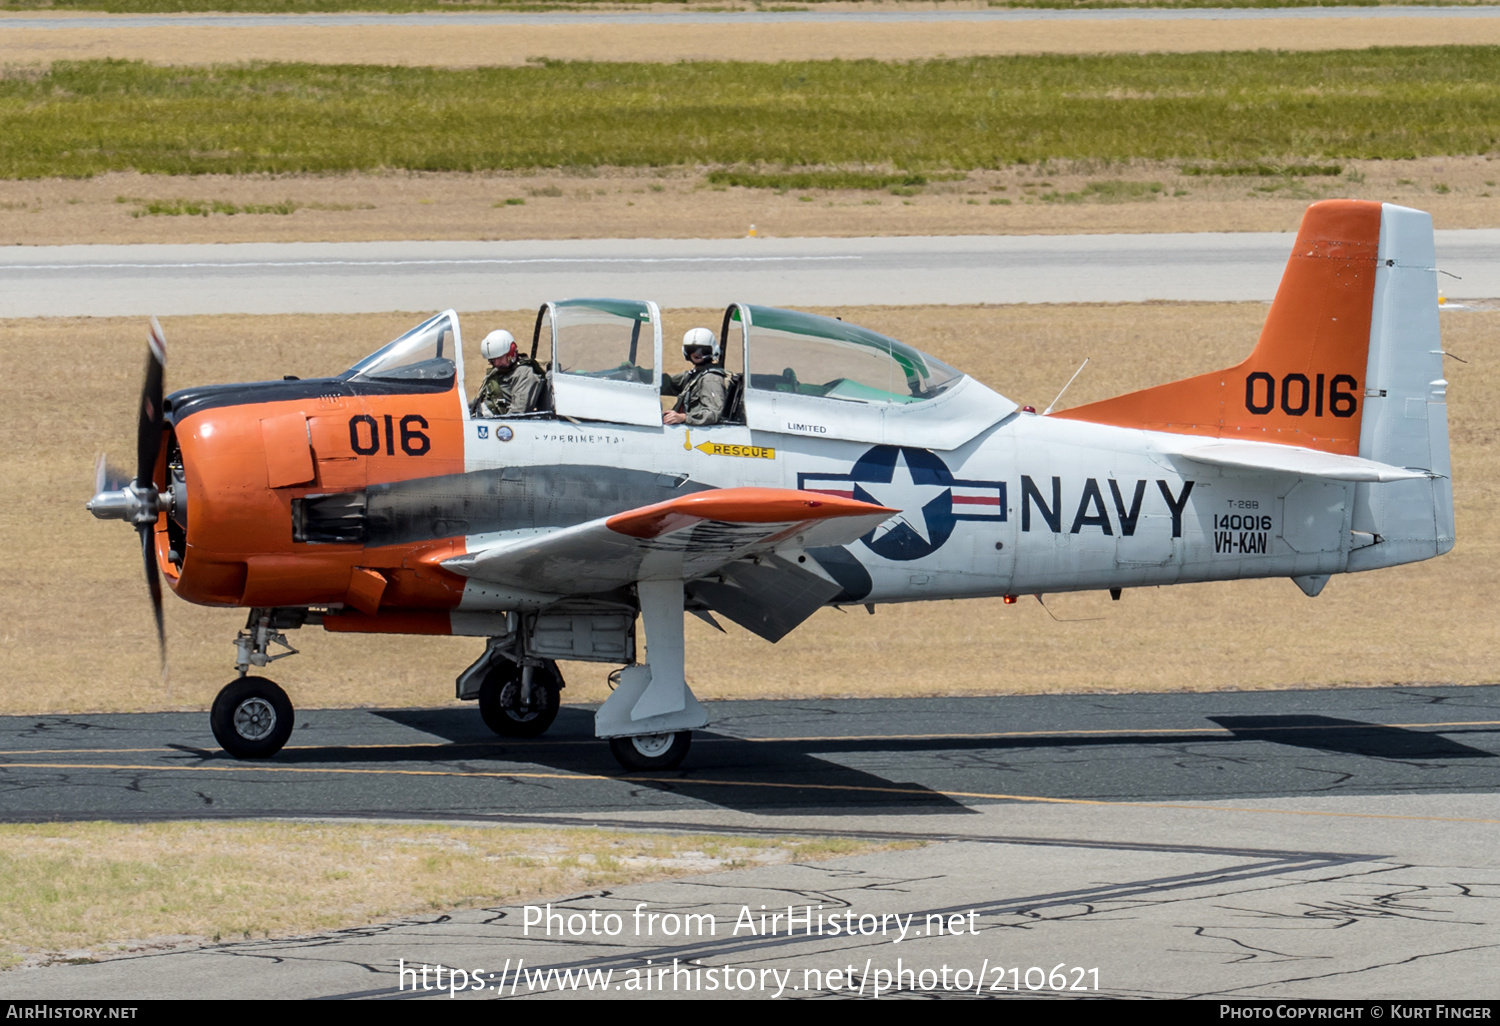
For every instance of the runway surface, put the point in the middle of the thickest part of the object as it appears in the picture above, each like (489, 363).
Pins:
(265, 278)
(851, 759)
(1333, 844)
(737, 17)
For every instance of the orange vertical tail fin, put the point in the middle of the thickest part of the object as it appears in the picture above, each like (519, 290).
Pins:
(1302, 384)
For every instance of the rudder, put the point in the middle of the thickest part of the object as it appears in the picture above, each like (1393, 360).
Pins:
(1405, 419)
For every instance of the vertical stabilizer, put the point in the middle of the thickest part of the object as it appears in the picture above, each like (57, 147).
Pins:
(1405, 421)
(1349, 362)
(1302, 383)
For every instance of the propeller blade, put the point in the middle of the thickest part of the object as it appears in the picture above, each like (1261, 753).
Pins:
(108, 478)
(153, 582)
(148, 433)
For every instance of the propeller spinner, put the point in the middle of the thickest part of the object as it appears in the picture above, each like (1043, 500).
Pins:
(138, 501)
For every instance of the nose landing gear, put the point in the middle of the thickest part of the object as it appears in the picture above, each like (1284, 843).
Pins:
(252, 718)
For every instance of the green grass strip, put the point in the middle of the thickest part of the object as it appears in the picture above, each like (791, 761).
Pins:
(1247, 109)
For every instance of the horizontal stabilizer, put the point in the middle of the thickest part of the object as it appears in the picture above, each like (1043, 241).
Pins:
(1288, 459)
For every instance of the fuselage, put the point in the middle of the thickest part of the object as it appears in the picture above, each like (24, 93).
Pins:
(396, 482)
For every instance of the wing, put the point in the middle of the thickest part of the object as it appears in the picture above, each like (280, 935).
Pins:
(680, 539)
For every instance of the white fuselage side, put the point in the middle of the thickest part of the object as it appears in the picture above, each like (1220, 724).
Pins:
(1028, 505)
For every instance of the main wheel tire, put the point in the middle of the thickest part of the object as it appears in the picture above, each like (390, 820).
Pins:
(252, 718)
(500, 700)
(651, 751)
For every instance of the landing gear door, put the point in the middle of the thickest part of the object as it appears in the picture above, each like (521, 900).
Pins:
(606, 360)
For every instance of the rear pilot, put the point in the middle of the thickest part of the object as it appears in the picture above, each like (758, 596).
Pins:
(701, 390)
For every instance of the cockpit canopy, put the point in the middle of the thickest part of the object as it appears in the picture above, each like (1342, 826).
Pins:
(425, 353)
(790, 372)
(827, 358)
(825, 378)
(604, 359)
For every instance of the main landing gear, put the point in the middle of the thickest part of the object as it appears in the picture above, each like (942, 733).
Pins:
(520, 701)
(649, 717)
(651, 751)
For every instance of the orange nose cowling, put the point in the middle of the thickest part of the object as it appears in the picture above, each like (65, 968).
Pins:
(245, 465)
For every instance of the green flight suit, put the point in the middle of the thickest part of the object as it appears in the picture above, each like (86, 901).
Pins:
(510, 390)
(701, 393)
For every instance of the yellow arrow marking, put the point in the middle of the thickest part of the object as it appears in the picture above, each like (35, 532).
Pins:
(755, 452)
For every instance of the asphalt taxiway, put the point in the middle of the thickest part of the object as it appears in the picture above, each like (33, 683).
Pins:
(887, 757)
(1335, 843)
(273, 278)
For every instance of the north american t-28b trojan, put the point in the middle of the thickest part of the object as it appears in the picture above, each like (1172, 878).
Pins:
(848, 468)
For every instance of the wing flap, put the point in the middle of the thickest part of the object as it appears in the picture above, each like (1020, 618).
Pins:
(769, 596)
(680, 539)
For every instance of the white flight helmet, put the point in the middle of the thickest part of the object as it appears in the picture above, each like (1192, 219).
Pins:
(497, 343)
(701, 338)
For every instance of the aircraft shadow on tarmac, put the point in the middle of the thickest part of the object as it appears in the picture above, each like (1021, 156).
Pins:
(730, 772)
(767, 774)
(1350, 737)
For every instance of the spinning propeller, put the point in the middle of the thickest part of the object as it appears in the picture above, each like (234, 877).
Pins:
(138, 501)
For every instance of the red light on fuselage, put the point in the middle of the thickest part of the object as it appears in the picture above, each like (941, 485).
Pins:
(1010, 600)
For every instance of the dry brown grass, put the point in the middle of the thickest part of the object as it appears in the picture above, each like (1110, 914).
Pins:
(679, 203)
(74, 891)
(489, 45)
(75, 627)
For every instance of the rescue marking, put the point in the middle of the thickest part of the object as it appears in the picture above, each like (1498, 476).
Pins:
(754, 452)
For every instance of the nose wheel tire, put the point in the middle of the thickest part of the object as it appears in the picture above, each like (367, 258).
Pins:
(651, 751)
(252, 718)
(500, 700)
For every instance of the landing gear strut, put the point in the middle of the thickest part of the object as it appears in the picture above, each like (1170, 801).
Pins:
(649, 718)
